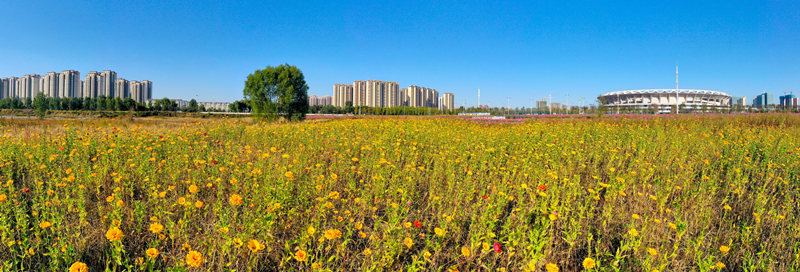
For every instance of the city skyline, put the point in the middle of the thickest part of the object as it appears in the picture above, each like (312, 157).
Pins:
(68, 84)
(511, 51)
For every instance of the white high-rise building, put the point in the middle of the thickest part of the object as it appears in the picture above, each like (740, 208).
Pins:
(360, 93)
(10, 87)
(382, 93)
(90, 85)
(49, 84)
(147, 89)
(28, 86)
(342, 93)
(121, 88)
(448, 101)
(105, 83)
(69, 83)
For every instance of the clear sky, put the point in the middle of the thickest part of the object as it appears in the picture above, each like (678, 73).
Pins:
(511, 51)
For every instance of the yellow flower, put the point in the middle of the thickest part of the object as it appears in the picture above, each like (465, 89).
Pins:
(114, 234)
(300, 256)
(465, 251)
(78, 267)
(255, 246)
(439, 232)
(316, 265)
(156, 227)
(198, 204)
(366, 252)
(332, 234)
(589, 263)
(359, 225)
(652, 251)
(311, 230)
(194, 259)
(727, 207)
(551, 267)
(45, 224)
(3, 197)
(152, 253)
(289, 175)
(193, 188)
(724, 249)
(633, 232)
(235, 200)
(635, 216)
(223, 230)
(333, 195)
(182, 201)
(672, 225)
(720, 265)
(552, 217)
(408, 242)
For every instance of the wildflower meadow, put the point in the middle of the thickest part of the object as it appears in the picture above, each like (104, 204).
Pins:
(589, 193)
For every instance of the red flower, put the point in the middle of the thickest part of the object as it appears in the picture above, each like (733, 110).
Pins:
(497, 247)
(484, 197)
(214, 162)
(542, 187)
(26, 190)
(417, 224)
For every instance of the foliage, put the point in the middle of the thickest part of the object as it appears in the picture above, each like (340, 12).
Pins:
(668, 193)
(277, 92)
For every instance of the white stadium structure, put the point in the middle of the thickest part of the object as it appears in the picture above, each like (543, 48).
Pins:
(636, 100)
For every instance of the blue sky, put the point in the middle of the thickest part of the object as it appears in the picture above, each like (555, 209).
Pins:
(511, 51)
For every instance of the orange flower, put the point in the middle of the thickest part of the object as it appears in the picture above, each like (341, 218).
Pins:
(152, 253)
(198, 204)
(193, 189)
(114, 234)
(156, 227)
(194, 259)
(300, 256)
(332, 234)
(255, 246)
(45, 224)
(235, 200)
(78, 267)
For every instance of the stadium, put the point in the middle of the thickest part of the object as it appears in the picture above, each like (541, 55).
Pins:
(664, 99)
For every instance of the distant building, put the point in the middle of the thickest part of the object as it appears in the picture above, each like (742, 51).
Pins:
(49, 84)
(214, 106)
(9, 87)
(541, 105)
(69, 82)
(28, 86)
(763, 100)
(313, 100)
(90, 85)
(360, 93)
(448, 99)
(121, 87)
(664, 99)
(342, 93)
(740, 101)
(788, 101)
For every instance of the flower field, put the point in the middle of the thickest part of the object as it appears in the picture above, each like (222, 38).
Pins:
(640, 193)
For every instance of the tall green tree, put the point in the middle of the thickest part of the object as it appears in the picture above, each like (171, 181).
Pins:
(40, 104)
(276, 92)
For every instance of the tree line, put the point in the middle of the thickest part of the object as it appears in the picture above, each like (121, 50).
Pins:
(42, 103)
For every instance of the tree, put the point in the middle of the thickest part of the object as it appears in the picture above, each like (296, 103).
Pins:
(277, 92)
(192, 106)
(40, 104)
